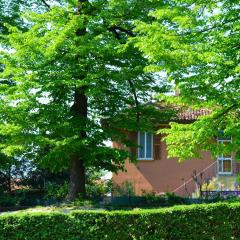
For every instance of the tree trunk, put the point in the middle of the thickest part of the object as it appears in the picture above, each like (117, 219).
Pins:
(77, 169)
(77, 179)
(79, 110)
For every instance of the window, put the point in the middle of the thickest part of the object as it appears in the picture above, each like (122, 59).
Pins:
(224, 161)
(224, 165)
(145, 143)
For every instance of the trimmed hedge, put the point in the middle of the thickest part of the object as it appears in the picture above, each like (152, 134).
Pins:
(218, 221)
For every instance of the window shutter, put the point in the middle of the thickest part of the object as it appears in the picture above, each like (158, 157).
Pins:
(133, 136)
(157, 147)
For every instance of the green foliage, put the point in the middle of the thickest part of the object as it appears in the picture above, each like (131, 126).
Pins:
(148, 200)
(96, 186)
(9, 200)
(11, 10)
(173, 199)
(213, 221)
(39, 186)
(99, 188)
(22, 197)
(185, 140)
(12, 170)
(38, 178)
(46, 64)
(56, 191)
(94, 190)
(196, 45)
(126, 189)
(85, 203)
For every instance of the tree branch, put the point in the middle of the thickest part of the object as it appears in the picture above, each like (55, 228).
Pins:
(128, 32)
(213, 27)
(226, 111)
(46, 4)
(117, 35)
(135, 99)
(115, 29)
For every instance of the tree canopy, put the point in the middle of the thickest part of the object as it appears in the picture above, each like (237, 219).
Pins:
(71, 81)
(197, 44)
(77, 73)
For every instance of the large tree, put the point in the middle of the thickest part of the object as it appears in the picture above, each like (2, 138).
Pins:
(197, 45)
(71, 81)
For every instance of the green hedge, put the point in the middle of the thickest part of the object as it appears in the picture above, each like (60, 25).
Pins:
(218, 221)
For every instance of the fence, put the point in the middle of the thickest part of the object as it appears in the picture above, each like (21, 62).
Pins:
(221, 194)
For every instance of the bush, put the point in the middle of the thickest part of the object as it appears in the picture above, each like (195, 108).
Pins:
(99, 188)
(21, 197)
(56, 191)
(173, 199)
(126, 189)
(9, 200)
(213, 221)
(148, 200)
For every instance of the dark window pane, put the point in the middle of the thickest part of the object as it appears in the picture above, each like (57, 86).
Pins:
(227, 166)
(149, 145)
(220, 166)
(141, 145)
(222, 136)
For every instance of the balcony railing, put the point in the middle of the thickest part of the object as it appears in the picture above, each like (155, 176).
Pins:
(190, 186)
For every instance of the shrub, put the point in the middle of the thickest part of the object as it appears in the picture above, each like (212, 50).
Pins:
(98, 188)
(126, 189)
(213, 221)
(21, 197)
(56, 191)
(173, 199)
(8, 200)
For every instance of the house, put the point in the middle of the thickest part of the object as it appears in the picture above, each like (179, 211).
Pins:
(155, 172)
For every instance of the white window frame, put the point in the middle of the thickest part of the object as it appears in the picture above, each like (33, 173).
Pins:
(222, 158)
(145, 146)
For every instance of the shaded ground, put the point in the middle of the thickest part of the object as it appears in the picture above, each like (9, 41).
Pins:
(63, 209)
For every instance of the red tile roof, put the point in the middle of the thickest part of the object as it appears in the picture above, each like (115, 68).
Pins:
(182, 114)
(192, 114)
